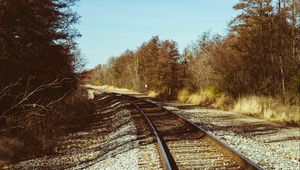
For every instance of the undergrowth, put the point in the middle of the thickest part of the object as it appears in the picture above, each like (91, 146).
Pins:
(269, 108)
(210, 97)
(35, 132)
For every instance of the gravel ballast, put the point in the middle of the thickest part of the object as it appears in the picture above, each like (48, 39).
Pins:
(111, 141)
(269, 145)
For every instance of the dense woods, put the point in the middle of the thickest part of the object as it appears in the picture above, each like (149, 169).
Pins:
(38, 61)
(260, 55)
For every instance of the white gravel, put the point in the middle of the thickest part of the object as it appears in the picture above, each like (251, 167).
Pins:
(126, 160)
(269, 145)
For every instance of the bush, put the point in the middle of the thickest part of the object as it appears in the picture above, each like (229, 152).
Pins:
(33, 131)
(153, 94)
(251, 105)
(223, 102)
(183, 95)
(202, 98)
(210, 97)
(76, 109)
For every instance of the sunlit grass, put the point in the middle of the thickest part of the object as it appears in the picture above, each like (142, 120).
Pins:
(209, 97)
(268, 108)
(153, 94)
(257, 106)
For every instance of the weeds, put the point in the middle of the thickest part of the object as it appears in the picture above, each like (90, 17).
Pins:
(183, 95)
(153, 94)
(209, 97)
(268, 108)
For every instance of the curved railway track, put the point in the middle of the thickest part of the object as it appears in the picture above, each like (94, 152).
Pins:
(181, 144)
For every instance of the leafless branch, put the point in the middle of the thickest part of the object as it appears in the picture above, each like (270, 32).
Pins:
(27, 94)
(5, 89)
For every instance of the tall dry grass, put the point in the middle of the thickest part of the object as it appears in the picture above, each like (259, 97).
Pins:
(269, 108)
(209, 97)
(153, 94)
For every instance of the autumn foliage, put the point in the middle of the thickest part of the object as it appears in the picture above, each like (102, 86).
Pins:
(260, 56)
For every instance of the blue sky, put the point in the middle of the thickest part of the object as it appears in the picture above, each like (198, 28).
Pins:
(109, 27)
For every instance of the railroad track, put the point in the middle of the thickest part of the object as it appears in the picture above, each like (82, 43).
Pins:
(181, 144)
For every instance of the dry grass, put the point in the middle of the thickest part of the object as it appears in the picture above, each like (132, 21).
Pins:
(268, 108)
(251, 105)
(209, 97)
(183, 95)
(152, 94)
(257, 106)
(223, 102)
(202, 98)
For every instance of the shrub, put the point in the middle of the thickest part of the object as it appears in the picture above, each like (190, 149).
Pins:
(183, 95)
(76, 108)
(251, 105)
(223, 102)
(210, 97)
(153, 94)
(32, 131)
(205, 97)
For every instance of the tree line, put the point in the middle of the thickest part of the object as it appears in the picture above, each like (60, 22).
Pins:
(155, 64)
(259, 55)
(39, 59)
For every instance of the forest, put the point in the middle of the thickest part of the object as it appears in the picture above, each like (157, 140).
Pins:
(39, 85)
(254, 69)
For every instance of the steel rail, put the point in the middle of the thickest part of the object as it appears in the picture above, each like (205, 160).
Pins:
(167, 158)
(249, 164)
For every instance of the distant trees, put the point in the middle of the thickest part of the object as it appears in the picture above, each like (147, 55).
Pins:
(147, 60)
(260, 55)
(199, 73)
(155, 64)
